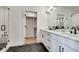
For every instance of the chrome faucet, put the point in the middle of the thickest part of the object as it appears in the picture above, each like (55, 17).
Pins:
(74, 30)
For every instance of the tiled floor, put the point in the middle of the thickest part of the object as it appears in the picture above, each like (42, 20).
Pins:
(36, 47)
(2, 45)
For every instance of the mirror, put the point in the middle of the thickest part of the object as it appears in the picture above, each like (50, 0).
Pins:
(61, 16)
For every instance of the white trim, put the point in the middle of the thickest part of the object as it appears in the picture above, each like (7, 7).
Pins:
(17, 44)
(5, 49)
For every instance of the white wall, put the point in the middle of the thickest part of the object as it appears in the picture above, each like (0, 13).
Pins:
(59, 10)
(15, 27)
(31, 14)
(17, 22)
(75, 19)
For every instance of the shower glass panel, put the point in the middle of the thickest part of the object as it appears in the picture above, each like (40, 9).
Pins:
(3, 27)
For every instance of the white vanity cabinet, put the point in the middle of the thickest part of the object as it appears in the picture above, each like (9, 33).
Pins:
(57, 43)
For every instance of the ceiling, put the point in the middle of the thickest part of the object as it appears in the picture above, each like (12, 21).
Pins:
(75, 9)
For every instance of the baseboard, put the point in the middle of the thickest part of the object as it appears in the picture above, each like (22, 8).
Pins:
(17, 44)
(29, 37)
(5, 49)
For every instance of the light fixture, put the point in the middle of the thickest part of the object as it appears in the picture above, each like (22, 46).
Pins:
(51, 9)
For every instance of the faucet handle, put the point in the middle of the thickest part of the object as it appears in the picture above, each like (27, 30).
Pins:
(49, 27)
(71, 32)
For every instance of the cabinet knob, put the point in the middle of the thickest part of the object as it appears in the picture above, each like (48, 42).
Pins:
(62, 49)
(48, 34)
(48, 47)
(59, 48)
(8, 40)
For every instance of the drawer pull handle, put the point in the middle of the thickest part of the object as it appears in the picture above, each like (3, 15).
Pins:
(48, 47)
(48, 34)
(59, 48)
(62, 49)
(48, 39)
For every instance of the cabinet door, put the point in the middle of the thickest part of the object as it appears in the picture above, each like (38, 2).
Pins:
(55, 46)
(63, 42)
(67, 49)
(43, 37)
(46, 40)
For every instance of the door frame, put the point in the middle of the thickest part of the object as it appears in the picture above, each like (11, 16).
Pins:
(36, 22)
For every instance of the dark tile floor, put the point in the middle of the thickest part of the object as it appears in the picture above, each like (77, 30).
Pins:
(36, 47)
(2, 45)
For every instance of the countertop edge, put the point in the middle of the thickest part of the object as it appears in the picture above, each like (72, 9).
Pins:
(61, 34)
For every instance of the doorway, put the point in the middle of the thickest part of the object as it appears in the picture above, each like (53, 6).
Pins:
(31, 28)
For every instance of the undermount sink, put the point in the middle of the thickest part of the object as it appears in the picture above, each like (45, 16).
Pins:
(60, 30)
(73, 35)
(69, 34)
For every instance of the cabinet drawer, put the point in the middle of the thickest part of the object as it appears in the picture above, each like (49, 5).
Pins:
(49, 48)
(48, 41)
(49, 35)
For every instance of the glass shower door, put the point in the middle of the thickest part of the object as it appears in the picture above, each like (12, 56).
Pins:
(3, 27)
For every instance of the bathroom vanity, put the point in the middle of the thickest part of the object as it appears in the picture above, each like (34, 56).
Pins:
(58, 41)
